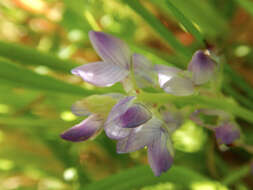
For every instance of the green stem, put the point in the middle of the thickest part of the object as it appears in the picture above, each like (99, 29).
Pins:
(217, 103)
(132, 76)
(236, 175)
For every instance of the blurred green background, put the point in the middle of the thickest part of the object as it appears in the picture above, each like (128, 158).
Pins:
(42, 40)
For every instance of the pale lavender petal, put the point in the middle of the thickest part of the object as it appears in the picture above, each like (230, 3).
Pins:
(111, 50)
(141, 136)
(227, 133)
(173, 119)
(179, 86)
(111, 128)
(144, 71)
(165, 73)
(160, 159)
(84, 130)
(101, 73)
(202, 67)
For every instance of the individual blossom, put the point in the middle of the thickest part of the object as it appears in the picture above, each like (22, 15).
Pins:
(96, 108)
(144, 129)
(179, 82)
(117, 63)
(202, 67)
(226, 131)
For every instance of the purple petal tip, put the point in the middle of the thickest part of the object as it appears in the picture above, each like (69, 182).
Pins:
(84, 130)
(227, 134)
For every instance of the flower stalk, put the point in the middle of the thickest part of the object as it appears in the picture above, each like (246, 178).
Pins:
(203, 101)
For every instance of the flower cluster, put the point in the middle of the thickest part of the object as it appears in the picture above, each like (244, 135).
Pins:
(126, 118)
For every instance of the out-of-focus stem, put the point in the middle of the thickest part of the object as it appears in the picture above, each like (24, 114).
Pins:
(203, 101)
(236, 175)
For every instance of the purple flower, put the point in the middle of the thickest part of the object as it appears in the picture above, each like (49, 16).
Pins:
(125, 115)
(133, 126)
(95, 107)
(227, 133)
(156, 138)
(177, 82)
(116, 64)
(202, 67)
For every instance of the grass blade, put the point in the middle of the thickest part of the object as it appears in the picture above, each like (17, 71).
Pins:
(28, 78)
(142, 176)
(159, 28)
(185, 22)
(30, 56)
(247, 5)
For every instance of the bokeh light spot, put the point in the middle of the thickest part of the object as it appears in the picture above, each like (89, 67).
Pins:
(68, 116)
(242, 51)
(70, 174)
(6, 164)
(189, 138)
(207, 186)
(4, 108)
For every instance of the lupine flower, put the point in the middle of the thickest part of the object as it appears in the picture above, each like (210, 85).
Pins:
(226, 133)
(134, 133)
(116, 64)
(178, 82)
(202, 67)
(96, 108)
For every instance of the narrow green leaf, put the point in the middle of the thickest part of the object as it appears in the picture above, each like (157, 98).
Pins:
(208, 19)
(239, 80)
(185, 22)
(30, 56)
(234, 176)
(28, 78)
(247, 5)
(142, 176)
(159, 28)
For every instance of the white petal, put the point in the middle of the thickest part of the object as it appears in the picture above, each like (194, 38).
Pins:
(179, 86)
(101, 73)
(165, 73)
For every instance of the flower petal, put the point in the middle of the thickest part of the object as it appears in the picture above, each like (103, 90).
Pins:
(160, 159)
(111, 50)
(111, 128)
(144, 71)
(141, 136)
(84, 130)
(165, 73)
(173, 119)
(227, 133)
(100, 73)
(179, 86)
(134, 116)
(202, 67)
